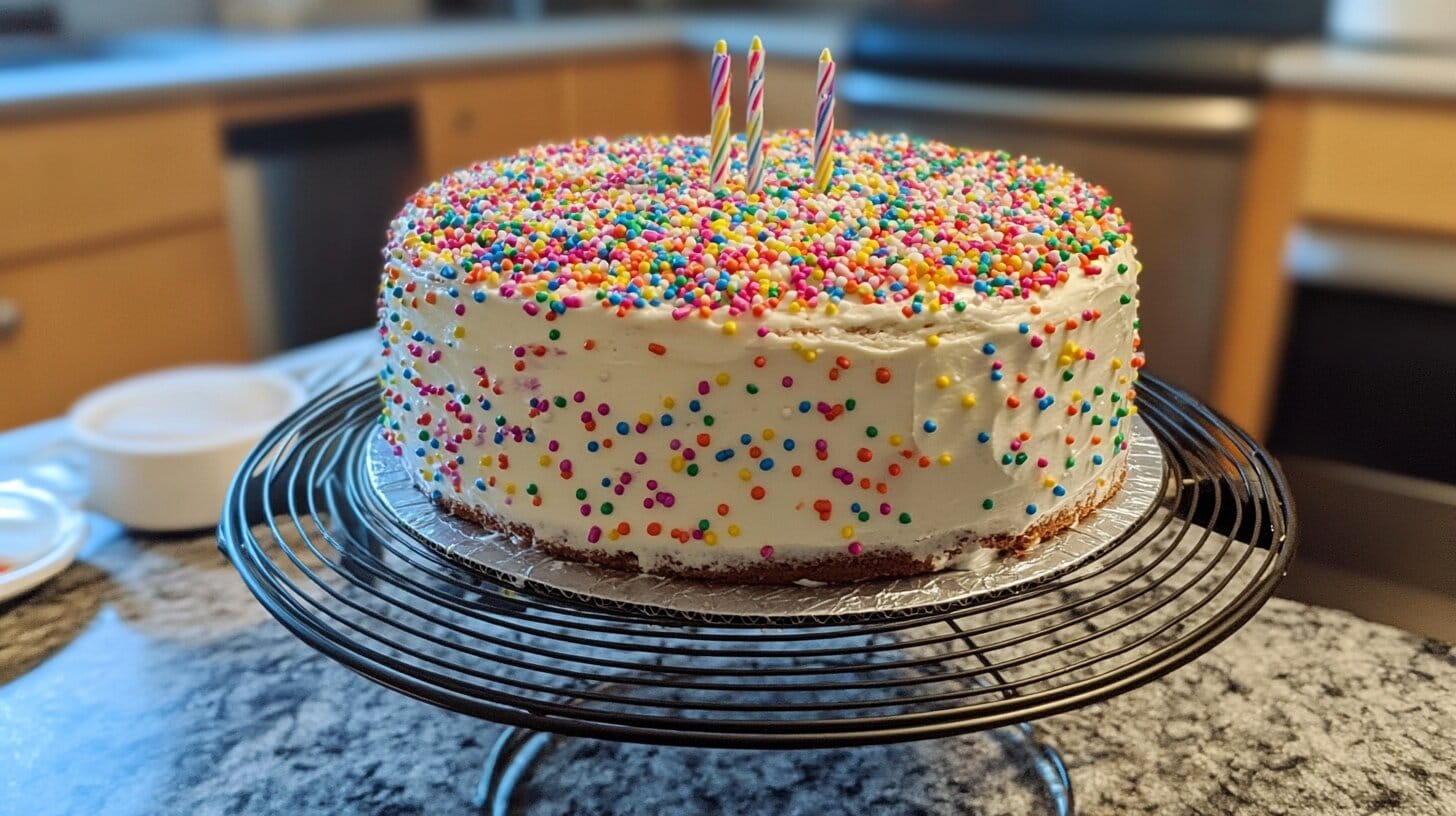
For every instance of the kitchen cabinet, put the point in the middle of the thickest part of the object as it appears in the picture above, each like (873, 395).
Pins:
(73, 182)
(100, 312)
(463, 119)
(493, 111)
(114, 259)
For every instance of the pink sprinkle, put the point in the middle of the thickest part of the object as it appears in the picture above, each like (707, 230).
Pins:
(594, 534)
(855, 548)
(766, 552)
(1041, 461)
(1036, 341)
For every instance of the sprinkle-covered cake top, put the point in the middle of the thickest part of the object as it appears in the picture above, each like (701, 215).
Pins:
(633, 224)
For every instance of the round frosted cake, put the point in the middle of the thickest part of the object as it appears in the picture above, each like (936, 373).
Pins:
(590, 349)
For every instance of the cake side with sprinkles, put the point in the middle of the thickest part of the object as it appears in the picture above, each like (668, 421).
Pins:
(586, 345)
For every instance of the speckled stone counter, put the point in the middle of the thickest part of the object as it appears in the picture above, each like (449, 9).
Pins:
(146, 680)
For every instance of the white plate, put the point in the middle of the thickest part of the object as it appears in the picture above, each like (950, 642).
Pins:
(39, 537)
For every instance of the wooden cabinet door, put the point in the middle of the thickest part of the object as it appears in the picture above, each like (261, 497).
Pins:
(620, 95)
(72, 181)
(87, 318)
(464, 120)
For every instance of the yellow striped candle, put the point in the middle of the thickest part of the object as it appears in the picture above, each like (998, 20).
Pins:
(824, 124)
(721, 112)
(755, 116)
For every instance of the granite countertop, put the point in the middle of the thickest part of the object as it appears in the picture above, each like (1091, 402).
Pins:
(146, 680)
(165, 65)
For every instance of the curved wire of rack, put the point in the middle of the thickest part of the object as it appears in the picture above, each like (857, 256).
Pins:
(318, 549)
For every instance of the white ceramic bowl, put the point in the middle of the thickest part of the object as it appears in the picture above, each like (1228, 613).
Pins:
(161, 449)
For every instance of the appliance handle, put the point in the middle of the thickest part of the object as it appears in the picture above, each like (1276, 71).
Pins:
(1145, 114)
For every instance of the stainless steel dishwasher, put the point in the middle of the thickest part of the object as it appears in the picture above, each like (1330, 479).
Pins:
(1154, 101)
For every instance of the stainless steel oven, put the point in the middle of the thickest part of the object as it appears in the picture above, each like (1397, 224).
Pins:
(1365, 423)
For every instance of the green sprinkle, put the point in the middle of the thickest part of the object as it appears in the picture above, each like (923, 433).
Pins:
(872, 432)
(607, 508)
(708, 420)
(904, 518)
(751, 388)
(987, 504)
(580, 493)
(693, 469)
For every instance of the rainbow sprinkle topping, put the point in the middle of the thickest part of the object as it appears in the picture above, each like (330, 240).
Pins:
(634, 224)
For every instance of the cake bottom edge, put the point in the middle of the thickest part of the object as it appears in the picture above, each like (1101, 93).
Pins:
(837, 568)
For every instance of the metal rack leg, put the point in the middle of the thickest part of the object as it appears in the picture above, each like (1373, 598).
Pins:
(1046, 759)
(510, 757)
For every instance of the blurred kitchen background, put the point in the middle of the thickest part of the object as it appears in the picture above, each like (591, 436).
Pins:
(189, 180)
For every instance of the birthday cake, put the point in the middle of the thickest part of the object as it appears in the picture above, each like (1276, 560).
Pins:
(591, 348)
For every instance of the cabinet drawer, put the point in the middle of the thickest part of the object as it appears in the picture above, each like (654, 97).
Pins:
(1382, 163)
(464, 120)
(75, 180)
(87, 319)
(615, 96)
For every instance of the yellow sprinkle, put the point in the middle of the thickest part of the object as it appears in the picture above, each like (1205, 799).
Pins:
(545, 460)
(511, 489)
(487, 461)
(644, 418)
(730, 328)
(896, 439)
(669, 403)
(933, 340)
(942, 381)
(1048, 482)
(733, 530)
(745, 474)
(1116, 364)
(846, 532)
(677, 464)
(810, 355)
(710, 538)
(722, 378)
(1076, 396)
(612, 534)
(945, 459)
(768, 433)
(459, 332)
(968, 401)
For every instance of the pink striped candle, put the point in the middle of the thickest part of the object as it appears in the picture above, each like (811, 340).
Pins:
(755, 116)
(721, 112)
(824, 124)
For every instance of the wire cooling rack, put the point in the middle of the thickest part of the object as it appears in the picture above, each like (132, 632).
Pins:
(316, 552)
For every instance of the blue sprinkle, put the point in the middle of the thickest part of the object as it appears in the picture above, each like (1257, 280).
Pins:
(695, 406)
(804, 407)
(929, 426)
(479, 484)
(592, 446)
(1023, 327)
(766, 464)
(788, 444)
(1031, 509)
(723, 455)
(996, 376)
(1059, 491)
(988, 349)
(666, 420)
(479, 297)
(983, 437)
(745, 439)
(1096, 458)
